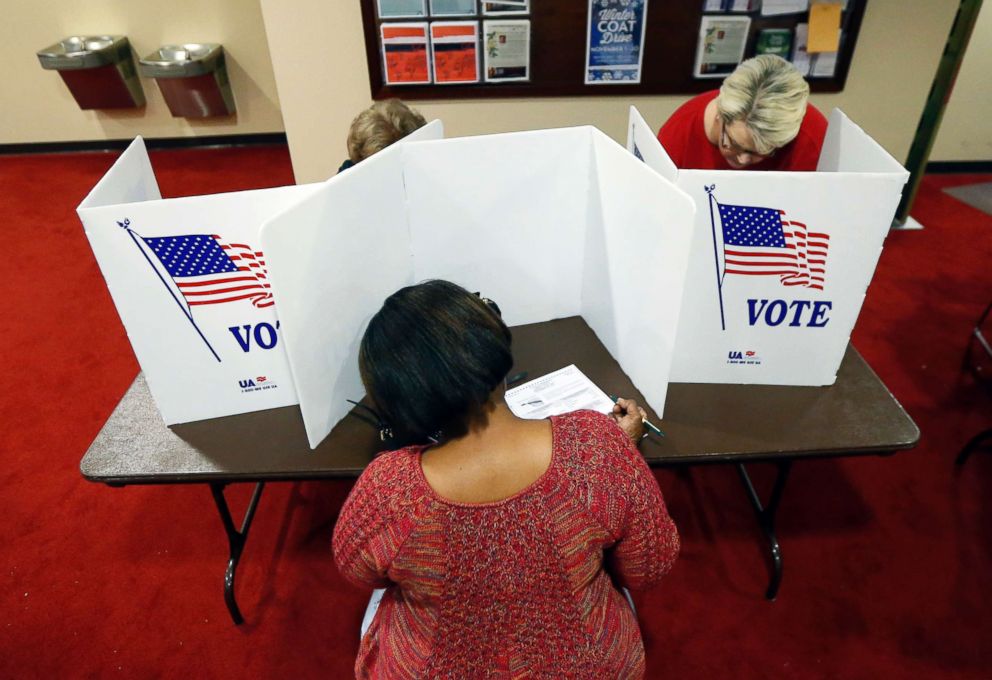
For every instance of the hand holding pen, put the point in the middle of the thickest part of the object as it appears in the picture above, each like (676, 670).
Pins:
(632, 419)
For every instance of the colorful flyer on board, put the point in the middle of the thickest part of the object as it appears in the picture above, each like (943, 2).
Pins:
(404, 54)
(455, 51)
(506, 8)
(615, 41)
(507, 50)
(396, 9)
(777, 41)
(721, 45)
(450, 8)
(825, 63)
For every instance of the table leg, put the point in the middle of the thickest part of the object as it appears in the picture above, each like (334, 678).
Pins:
(979, 440)
(766, 518)
(236, 541)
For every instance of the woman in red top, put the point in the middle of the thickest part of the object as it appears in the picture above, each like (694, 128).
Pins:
(759, 119)
(501, 547)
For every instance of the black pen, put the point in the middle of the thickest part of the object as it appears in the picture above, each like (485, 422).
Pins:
(647, 423)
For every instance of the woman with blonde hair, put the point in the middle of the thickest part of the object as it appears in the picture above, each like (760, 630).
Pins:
(377, 127)
(759, 119)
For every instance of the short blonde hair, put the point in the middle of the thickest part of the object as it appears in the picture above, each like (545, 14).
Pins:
(380, 125)
(768, 95)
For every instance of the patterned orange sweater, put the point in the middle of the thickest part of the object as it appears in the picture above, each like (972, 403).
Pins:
(515, 588)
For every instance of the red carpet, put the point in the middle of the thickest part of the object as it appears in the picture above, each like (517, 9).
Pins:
(887, 560)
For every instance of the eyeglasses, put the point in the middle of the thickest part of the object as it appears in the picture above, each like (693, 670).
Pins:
(733, 147)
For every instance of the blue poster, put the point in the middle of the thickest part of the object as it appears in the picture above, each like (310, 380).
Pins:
(615, 41)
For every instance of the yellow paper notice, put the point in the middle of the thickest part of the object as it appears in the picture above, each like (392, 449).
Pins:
(824, 27)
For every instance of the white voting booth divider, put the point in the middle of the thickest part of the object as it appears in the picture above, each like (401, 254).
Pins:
(189, 279)
(550, 224)
(684, 275)
(780, 261)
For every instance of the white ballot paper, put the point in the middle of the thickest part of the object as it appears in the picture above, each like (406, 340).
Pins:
(566, 390)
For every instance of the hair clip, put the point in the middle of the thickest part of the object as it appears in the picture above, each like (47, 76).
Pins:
(373, 418)
(490, 304)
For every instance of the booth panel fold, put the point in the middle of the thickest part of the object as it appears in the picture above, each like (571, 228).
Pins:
(504, 215)
(131, 179)
(335, 257)
(644, 244)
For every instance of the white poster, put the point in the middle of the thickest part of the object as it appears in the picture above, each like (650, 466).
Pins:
(506, 46)
(720, 49)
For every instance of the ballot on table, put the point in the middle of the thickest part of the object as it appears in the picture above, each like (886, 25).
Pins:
(563, 391)
(780, 261)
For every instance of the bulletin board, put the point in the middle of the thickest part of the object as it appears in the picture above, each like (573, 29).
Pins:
(558, 35)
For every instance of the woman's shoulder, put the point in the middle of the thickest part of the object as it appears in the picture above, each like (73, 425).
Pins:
(590, 438)
(392, 475)
(814, 126)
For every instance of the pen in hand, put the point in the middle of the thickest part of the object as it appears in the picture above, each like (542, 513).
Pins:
(647, 423)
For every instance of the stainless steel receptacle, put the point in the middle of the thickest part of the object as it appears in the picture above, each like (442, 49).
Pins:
(193, 79)
(98, 70)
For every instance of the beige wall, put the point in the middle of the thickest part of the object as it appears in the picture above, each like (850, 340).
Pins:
(894, 63)
(37, 107)
(966, 131)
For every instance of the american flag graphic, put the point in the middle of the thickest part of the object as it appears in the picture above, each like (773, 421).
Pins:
(209, 271)
(763, 242)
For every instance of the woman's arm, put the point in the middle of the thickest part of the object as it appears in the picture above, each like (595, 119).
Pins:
(365, 534)
(647, 542)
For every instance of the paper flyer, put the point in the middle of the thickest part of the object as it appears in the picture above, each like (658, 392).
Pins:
(404, 54)
(824, 27)
(506, 8)
(507, 50)
(455, 52)
(722, 40)
(563, 391)
(615, 41)
(397, 9)
(800, 57)
(825, 63)
(771, 8)
(442, 8)
(729, 5)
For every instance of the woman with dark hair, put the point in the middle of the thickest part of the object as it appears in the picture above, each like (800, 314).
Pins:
(502, 545)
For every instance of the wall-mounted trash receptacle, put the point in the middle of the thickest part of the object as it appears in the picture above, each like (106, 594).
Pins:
(98, 69)
(193, 79)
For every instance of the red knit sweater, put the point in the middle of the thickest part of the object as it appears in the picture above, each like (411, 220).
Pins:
(514, 588)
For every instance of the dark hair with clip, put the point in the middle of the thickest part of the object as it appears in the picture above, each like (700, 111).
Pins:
(431, 357)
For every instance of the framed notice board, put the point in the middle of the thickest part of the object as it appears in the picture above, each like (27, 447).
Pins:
(422, 49)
